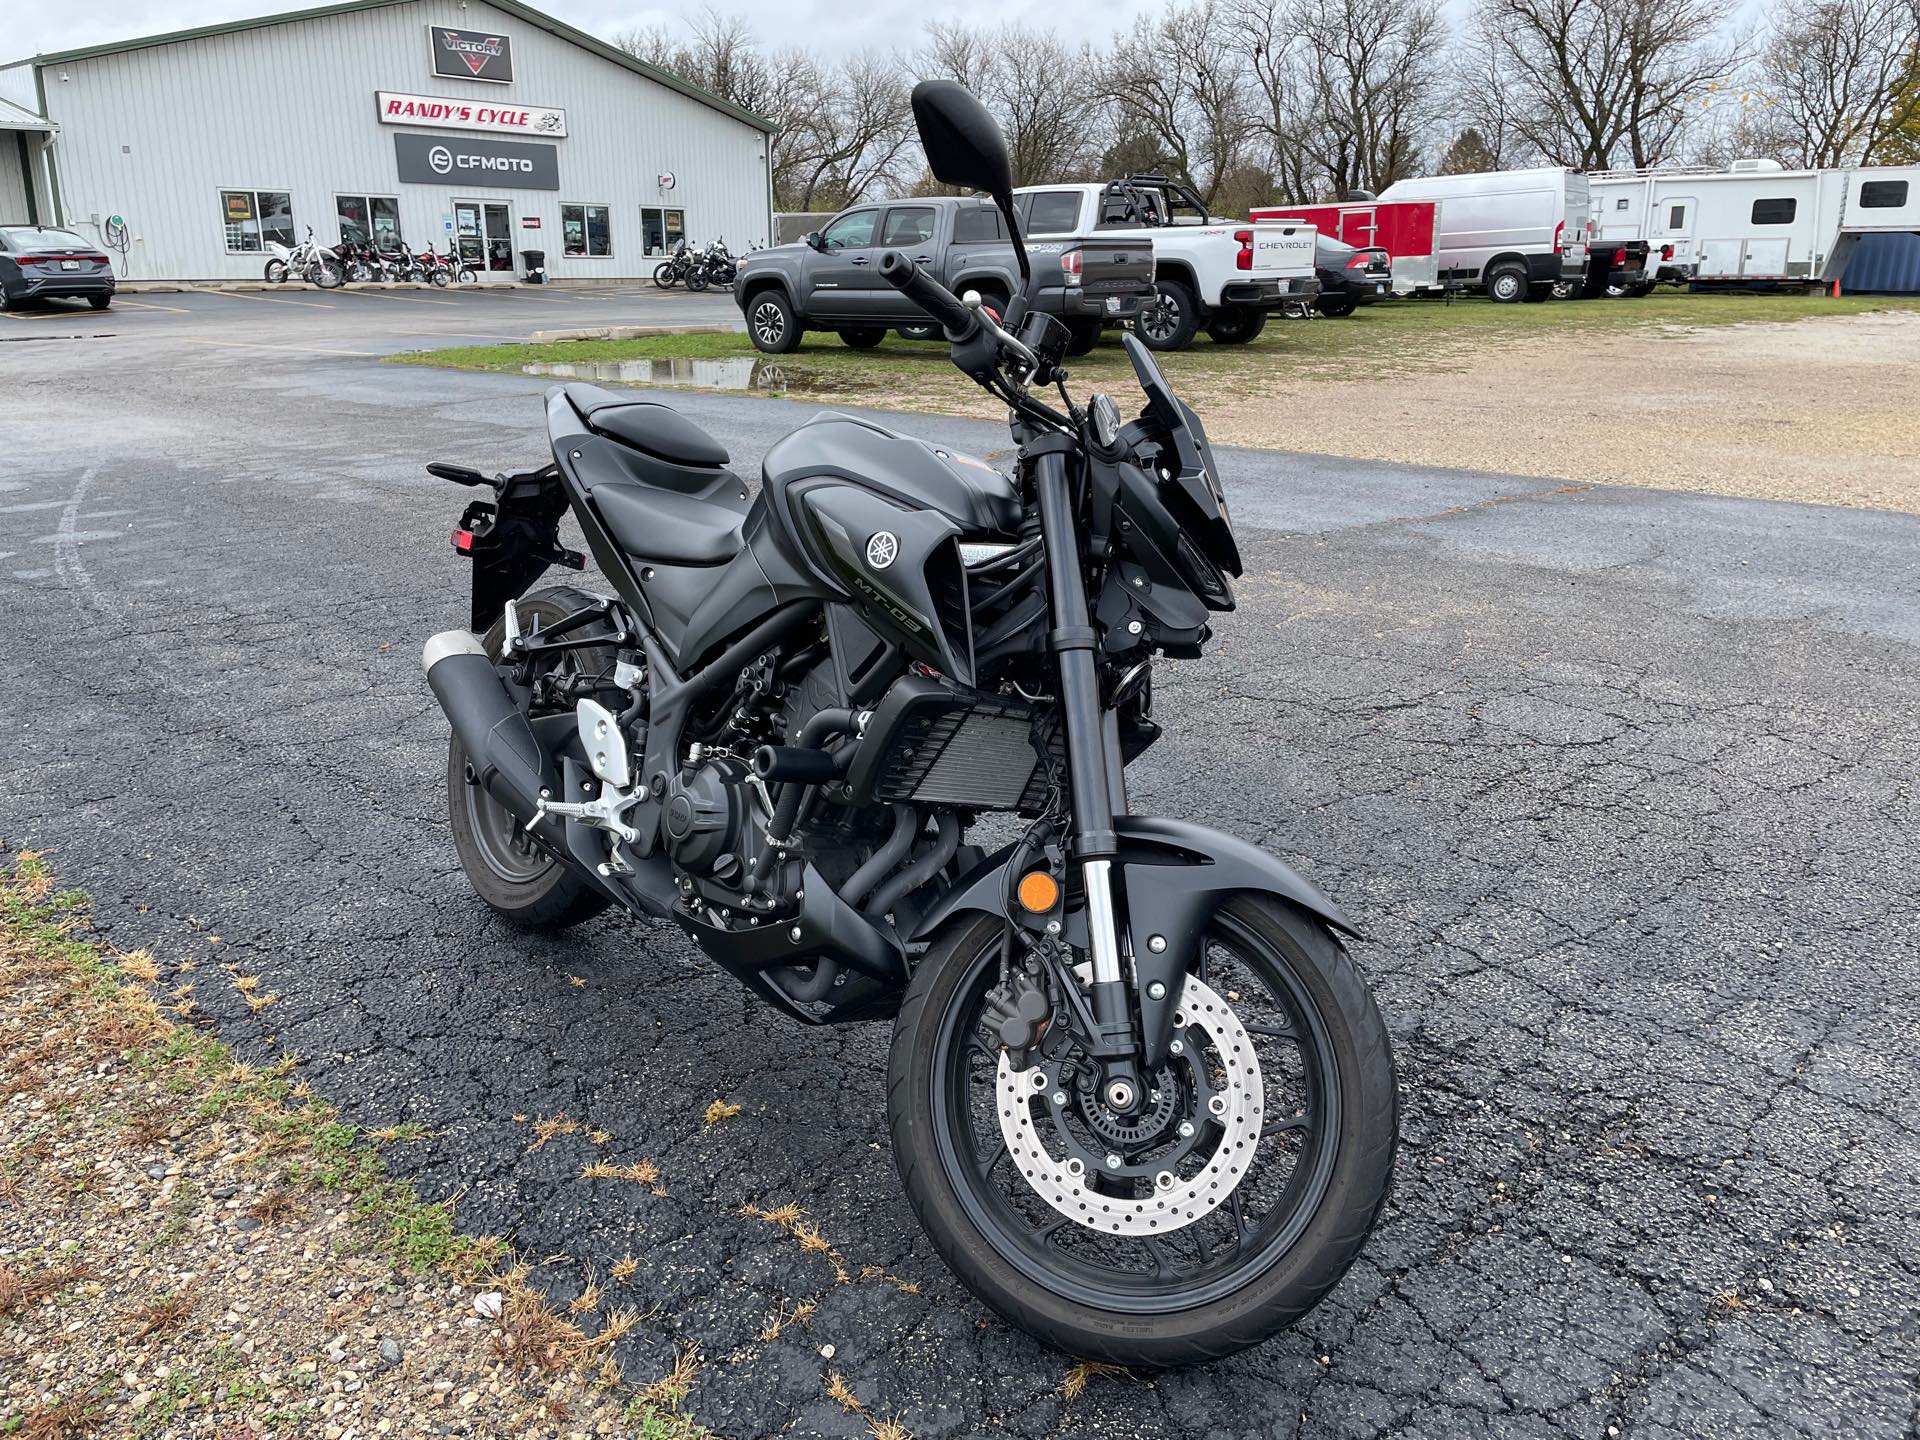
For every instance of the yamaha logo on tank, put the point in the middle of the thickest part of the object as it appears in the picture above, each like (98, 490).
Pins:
(883, 549)
(458, 159)
(471, 55)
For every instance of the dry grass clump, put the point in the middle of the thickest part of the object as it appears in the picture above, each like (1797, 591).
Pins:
(1082, 1374)
(719, 1110)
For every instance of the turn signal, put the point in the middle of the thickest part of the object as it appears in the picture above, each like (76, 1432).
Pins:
(1039, 892)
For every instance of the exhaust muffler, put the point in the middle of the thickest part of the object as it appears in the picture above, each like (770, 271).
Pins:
(501, 748)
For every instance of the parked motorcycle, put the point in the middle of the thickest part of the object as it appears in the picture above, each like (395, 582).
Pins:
(1140, 1097)
(309, 261)
(676, 268)
(718, 265)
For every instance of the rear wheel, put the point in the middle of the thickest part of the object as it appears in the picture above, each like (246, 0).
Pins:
(276, 271)
(100, 302)
(1169, 320)
(864, 337)
(1507, 284)
(1235, 324)
(1334, 306)
(917, 332)
(519, 881)
(1082, 336)
(1222, 1211)
(1537, 294)
(771, 323)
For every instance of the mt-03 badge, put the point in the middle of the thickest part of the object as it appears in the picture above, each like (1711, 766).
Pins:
(882, 549)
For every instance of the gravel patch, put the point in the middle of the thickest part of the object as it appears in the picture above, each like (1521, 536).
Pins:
(1820, 410)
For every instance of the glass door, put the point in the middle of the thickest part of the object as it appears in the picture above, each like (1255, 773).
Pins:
(483, 229)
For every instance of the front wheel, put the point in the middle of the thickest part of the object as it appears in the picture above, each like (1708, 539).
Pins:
(772, 325)
(1223, 1209)
(696, 280)
(329, 275)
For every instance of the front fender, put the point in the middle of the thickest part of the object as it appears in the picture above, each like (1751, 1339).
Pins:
(1172, 877)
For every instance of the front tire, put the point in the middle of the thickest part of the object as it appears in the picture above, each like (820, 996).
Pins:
(862, 337)
(520, 883)
(1304, 1229)
(772, 325)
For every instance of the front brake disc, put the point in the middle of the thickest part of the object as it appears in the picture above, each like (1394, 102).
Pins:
(1065, 1182)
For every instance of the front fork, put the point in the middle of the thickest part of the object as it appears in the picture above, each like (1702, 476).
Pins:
(1094, 769)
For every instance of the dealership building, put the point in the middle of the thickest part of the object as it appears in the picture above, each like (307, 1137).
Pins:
(483, 124)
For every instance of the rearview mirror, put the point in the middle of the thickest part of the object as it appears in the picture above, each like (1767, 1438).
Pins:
(815, 240)
(963, 141)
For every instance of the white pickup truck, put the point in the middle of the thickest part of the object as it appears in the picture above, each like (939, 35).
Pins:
(1220, 275)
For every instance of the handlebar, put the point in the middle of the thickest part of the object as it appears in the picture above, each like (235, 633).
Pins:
(929, 294)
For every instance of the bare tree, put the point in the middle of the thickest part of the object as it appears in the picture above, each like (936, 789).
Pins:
(1180, 84)
(1374, 94)
(1598, 83)
(1839, 82)
(1043, 93)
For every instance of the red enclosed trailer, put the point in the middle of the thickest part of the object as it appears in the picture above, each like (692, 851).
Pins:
(1403, 228)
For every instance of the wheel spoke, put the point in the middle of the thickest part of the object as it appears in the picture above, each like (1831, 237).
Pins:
(1277, 1032)
(1281, 1127)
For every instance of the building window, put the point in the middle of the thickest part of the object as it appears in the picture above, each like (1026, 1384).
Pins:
(661, 229)
(586, 230)
(253, 217)
(1774, 212)
(367, 219)
(1883, 195)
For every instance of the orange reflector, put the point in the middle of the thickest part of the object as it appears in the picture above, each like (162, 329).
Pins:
(1039, 892)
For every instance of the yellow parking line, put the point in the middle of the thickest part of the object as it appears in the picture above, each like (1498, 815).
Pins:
(47, 314)
(276, 299)
(149, 305)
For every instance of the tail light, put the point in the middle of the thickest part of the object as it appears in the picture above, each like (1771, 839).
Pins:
(1666, 252)
(1619, 258)
(1558, 231)
(1360, 261)
(1072, 265)
(1244, 260)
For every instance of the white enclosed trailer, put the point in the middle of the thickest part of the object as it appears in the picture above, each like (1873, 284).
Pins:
(1756, 221)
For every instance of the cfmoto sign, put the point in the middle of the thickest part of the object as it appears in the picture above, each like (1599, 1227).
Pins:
(482, 163)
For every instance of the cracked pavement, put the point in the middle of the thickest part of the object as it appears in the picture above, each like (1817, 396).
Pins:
(1619, 783)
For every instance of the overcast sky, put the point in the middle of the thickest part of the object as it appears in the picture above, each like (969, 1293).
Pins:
(829, 27)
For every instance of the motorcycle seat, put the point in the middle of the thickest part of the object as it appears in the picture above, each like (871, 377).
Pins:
(647, 426)
(664, 525)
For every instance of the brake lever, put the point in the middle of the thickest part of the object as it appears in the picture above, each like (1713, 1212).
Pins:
(993, 327)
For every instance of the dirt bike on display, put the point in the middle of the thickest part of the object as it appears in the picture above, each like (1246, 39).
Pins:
(1139, 1095)
(309, 261)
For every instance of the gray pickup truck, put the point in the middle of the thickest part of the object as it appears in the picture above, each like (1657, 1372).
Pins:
(831, 279)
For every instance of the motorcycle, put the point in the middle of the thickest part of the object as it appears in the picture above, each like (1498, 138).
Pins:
(309, 260)
(677, 267)
(1139, 1095)
(718, 266)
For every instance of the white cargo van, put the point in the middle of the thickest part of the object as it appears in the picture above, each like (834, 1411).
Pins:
(1755, 222)
(1511, 233)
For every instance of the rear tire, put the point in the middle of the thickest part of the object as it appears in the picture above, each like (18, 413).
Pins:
(100, 302)
(772, 325)
(1171, 319)
(522, 885)
(1237, 324)
(917, 332)
(1082, 337)
(1305, 1254)
(864, 338)
(1537, 294)
(275, 272)
(1334, 307)
(1507, 285)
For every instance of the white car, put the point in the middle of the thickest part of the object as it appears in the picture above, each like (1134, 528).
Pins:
(1221, 275)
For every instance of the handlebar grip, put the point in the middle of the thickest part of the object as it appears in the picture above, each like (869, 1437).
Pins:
(929, 294)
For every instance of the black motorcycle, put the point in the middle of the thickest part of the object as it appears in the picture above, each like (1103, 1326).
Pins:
(678, 267)
(1139, 1095)
(719, 266)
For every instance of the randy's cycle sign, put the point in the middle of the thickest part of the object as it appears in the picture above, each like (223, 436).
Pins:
(471, 54)
(481, 164)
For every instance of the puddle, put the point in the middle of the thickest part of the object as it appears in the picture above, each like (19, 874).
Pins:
(735, 372)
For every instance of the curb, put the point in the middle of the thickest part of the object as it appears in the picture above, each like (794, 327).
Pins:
(625, 332)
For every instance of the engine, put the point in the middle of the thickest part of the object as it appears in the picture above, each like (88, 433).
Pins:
(709, 820)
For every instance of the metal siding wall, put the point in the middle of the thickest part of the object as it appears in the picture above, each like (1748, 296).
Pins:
(13, 184)
(1884, 265)
(291, 107)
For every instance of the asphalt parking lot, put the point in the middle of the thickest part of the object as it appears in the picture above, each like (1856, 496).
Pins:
(1620, 784)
